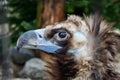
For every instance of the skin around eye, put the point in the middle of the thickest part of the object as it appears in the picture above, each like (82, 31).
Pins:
(61, 36)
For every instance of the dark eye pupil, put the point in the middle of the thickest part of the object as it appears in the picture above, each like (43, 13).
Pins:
(62, 34)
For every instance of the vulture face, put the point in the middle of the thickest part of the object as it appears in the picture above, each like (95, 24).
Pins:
(69, 36)
(86, 48)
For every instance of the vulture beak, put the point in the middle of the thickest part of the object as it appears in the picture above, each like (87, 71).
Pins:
(35, 39)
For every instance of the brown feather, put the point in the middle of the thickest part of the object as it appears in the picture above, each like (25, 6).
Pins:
(104, 47)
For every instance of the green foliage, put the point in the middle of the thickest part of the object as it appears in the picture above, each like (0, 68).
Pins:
(21, 17)
(23, 13)
(110, 9)
(77, 6)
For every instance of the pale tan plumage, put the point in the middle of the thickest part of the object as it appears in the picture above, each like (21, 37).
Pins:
(89, 49)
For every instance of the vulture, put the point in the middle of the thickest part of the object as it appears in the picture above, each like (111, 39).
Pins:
(77, 48)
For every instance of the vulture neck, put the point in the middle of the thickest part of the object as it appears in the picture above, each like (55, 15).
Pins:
(64, 67)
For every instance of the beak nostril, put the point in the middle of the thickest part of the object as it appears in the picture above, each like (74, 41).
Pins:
(40, 36)
(17, 48)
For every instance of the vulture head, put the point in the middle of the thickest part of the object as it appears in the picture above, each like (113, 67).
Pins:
(77, 48)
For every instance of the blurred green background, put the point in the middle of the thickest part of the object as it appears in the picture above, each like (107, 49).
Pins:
(22, 13)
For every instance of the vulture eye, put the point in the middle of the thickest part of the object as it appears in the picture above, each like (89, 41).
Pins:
(62, 35)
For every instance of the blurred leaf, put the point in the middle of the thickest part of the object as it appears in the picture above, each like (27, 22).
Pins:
(28, 25)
